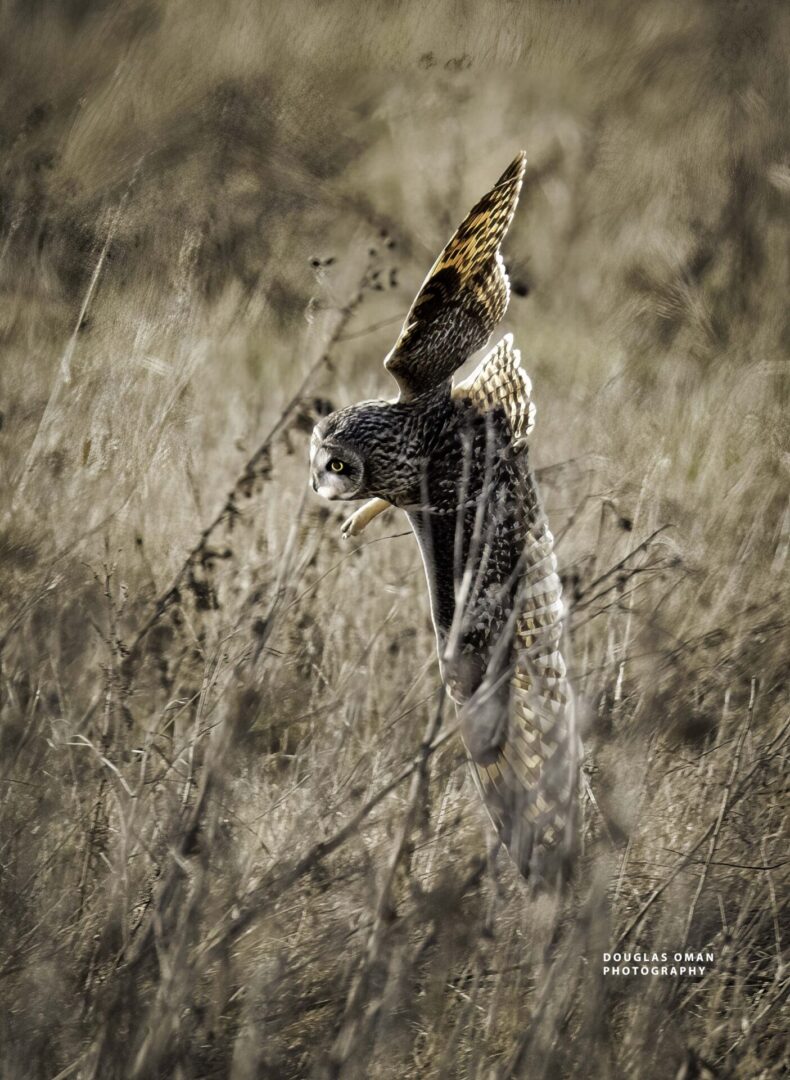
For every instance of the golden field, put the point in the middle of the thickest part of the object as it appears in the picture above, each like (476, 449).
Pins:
(232, 841)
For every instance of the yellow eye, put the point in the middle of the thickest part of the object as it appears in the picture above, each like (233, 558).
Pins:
(336, 465)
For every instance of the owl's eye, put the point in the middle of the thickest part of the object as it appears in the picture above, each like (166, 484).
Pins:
(336, 465)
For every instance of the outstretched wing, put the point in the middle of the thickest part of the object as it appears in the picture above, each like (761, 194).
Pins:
(530, 786)
(464, 296)
(528, 781)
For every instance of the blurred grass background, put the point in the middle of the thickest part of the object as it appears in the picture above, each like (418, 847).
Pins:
(207, 867)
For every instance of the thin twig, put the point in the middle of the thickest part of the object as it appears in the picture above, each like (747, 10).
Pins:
(714, 837)
(359, 992)
(250, 469)
(686, 857)
(278, 881)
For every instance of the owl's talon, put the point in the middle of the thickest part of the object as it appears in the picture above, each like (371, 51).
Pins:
(349, 528)
(360, 519)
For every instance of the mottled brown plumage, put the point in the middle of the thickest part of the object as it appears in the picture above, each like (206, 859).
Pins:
(456, 461)
(464, 295)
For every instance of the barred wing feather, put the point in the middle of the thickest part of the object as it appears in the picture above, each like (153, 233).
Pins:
(463, 297)
(529, 784)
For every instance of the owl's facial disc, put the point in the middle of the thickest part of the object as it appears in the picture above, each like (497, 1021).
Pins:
(335, 470)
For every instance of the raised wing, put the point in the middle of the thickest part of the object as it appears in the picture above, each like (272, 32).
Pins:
(464, 296)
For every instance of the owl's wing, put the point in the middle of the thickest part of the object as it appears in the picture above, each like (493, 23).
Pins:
(464, 296)
(529, 780)
(499, 380)
(529, 785)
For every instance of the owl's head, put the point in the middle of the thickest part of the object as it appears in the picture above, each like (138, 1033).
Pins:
(354, 452)
(340, 452)
(337, 470)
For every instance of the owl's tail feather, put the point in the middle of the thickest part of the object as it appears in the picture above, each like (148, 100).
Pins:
(529, 780)
(499, 381)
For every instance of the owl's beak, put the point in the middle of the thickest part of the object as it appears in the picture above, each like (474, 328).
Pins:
(326, 491)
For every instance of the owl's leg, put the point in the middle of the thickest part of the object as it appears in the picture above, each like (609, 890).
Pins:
(361, 518)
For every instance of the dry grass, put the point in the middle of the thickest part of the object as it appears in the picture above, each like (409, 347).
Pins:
(237, 838)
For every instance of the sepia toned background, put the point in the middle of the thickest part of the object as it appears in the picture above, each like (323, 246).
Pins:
(232, 840)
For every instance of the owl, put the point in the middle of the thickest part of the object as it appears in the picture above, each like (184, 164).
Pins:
(455, 460)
